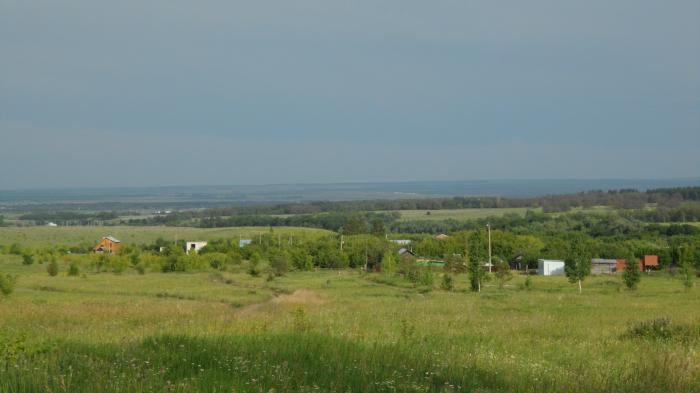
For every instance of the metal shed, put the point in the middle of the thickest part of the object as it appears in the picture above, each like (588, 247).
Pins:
(550, 267)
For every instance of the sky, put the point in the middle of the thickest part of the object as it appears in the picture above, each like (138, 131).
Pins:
(135, 93)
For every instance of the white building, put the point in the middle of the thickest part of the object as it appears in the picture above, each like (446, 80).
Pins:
(402, 242)
(194, 247)
(244, 242)
(550, 267)
(52, 224)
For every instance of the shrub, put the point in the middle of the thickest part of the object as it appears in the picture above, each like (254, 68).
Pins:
(253, 269)
(427, 278)
(52, 268)
(27, 259)
(279, 264)
(662, 329)
(631, 275)
(15, 249)
(7, 284)
(447, 282)
(73, 269)
(388, 264)
(503, 273)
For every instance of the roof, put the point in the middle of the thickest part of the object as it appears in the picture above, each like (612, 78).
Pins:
(441, 236)
(112, 239)
(550, 261)
(601, 261)
(651, 260)
(405, 251)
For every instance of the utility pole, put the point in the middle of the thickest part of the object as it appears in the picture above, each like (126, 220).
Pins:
(489, 228)
(341, 242)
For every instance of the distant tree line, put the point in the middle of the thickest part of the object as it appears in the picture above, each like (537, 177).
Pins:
(68, 217)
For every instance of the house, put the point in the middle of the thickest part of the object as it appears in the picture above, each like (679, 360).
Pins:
(603, 266)
(442, 236)
(194, 247)
(517, 262)
(405, 251)
(52, 225)
(550, 267)
(650, 262)
(402, 242)
(244, 242)
(621, 263)
(108, 244)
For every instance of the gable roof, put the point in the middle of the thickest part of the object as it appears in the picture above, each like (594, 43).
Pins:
(112, 239)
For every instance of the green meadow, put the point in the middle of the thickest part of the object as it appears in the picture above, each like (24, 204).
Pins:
(335, 330)
(48, 236)
(459, 214)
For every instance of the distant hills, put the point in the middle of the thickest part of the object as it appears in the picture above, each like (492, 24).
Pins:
(208, 196)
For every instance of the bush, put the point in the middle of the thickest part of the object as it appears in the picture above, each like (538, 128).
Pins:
(7, 284)
(662, 329)
(27, 259)
(253, 268)
(15, 249)
(52, 268)
(447, 282)
(279, 264)
(427, 278)
(73, 269)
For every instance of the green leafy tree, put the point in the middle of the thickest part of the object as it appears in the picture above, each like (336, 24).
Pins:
(578, 262)
(301, 260)
(686, 266)
(388, 264)
(73, 269)
(503, 273)
(447, 282)
(52, 268)
(279, 263)
(378, 228)
(477, 254)
(27, 259)
(7, 284)
(631, 275)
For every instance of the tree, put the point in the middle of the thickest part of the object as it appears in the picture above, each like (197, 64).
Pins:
(447, 282)
(388, 263)
(631, 275)
(52, 268)
(27, 259)
(578, 262)
(503, 273)
(7, 284)
(686, 266)
(477, 253)
(280, 264)
(378, 228)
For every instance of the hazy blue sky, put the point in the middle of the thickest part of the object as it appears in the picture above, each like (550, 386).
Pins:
(128, 92)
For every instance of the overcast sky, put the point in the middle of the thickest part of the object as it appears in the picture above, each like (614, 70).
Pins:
(134, 93)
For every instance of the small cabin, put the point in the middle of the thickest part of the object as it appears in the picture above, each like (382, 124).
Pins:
(194, 247)
(650, 262)
(550, 267)
(108, 244)
(603, 266)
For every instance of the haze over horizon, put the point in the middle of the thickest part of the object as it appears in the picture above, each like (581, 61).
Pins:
(126, 94)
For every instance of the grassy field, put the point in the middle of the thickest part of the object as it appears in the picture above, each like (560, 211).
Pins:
(458, 214)
(37, 236)
(338, 331)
